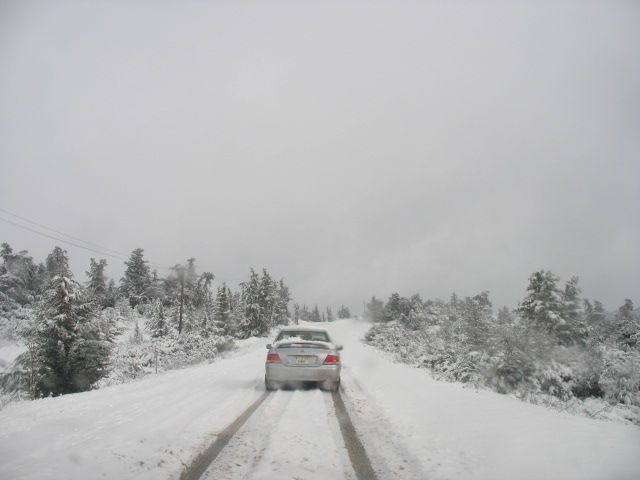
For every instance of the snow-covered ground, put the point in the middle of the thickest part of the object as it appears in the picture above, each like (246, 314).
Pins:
(411, 425)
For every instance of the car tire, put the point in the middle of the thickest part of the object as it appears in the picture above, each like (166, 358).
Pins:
(270, 386)
(329, 386)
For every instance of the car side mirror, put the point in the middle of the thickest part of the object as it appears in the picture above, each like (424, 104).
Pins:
(339, 347)
(268, 346)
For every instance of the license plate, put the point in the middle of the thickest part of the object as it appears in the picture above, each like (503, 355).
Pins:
(305, 360)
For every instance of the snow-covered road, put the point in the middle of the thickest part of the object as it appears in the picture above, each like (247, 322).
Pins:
(411, 426)
(293, 435)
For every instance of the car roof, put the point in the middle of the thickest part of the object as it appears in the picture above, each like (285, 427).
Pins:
(302, 328)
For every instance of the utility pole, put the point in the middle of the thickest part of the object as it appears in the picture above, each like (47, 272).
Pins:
(181, 299)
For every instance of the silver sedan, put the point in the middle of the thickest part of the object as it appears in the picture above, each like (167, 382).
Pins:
(300, 355)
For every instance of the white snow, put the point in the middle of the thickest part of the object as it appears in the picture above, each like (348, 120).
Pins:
(411, 425)
(8, 353)
(295, 436)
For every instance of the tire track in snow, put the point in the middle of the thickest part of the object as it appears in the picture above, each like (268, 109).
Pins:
(357, 454)
(290, 436)
(247, 447)
(202, 461)
(387, 449)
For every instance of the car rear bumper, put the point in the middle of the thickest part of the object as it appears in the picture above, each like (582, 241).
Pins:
(278, 372)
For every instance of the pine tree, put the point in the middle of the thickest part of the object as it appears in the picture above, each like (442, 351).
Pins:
(157, 323)
(543, 306)
(344, 312)
(237, 312)
(253, 323)
(329, 315)
(137, 278)
(453, 301)
(21, 280)
(476, 321)
(315, 315)
(204, 304)
(574, 330)
(5, 251)
(111, 295)
(296, 313)
(393, 308)
(281, 307)
(222, 313)
(596, 317)
(504, 316)
(416, 315)
(155, 288)
(97, 284)
(58, 264)
(628, 326)
(73, 351)
(305, 314)
(374, 310)
(267, 298)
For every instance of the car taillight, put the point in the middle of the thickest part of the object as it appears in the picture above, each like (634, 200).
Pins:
(273, 358)
(332, 359)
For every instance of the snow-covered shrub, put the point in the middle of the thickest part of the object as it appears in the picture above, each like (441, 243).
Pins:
(620, 379)
(555, 379)
(136, 358)
(551, 352)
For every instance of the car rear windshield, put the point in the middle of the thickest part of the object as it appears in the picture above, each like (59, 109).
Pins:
(303, 335)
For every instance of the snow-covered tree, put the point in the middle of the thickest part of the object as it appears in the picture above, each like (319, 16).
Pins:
(281, 307)
(73, 351)
(574, 330)
(155, 290)
(476, 321)
(504, 316)
(253, 323)
(21, 280)
(374, 310)
(329, 315)
(394, 308)
(344, 312)
(58, 263)
(222, 312)
(627, 326)
(238, 309)
(267, 297)
(315, 315)
(97, 283)
(543, 307)
(157, 322)
(416, 316)
(137, 278)
(111, 295)
(596, 320)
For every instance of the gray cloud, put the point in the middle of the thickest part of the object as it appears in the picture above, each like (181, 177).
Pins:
(354, 148)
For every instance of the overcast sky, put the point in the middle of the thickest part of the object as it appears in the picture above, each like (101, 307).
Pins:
(355, 148)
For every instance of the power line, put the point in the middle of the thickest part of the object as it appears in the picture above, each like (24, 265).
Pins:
(91, 244)
(59, 239)
(117, 255)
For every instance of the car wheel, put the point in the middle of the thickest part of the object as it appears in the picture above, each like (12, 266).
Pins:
(329, 386)
(270, 386)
